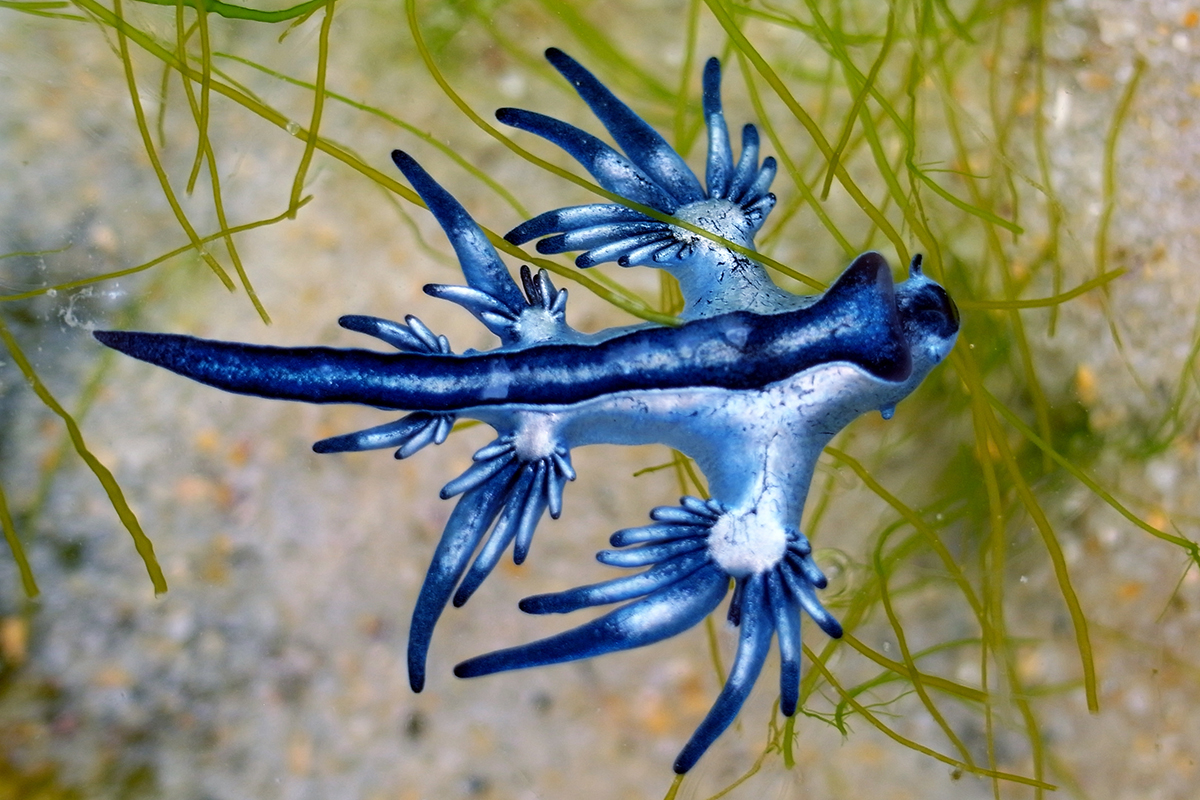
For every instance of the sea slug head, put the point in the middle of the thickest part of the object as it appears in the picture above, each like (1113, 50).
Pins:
(928, 317)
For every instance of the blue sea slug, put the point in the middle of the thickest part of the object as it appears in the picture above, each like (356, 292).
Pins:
(752, 385)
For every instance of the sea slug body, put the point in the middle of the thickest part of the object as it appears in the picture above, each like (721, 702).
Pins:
(752, 384)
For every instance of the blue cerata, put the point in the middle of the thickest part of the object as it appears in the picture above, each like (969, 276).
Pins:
(752, 385)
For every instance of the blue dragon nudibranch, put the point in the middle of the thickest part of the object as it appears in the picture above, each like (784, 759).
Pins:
(752, 385)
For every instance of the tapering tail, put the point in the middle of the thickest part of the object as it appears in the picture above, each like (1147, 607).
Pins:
(308, 374)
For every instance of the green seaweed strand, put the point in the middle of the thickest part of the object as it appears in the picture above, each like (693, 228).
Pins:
(18, 551)
(239, 12)
(142, 542)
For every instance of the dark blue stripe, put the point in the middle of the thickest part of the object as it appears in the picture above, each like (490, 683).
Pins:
(855, 321)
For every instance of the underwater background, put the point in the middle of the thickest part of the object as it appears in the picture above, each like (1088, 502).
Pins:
(1013, 554)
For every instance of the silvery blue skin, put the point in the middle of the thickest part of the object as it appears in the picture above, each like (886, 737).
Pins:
(753, 384)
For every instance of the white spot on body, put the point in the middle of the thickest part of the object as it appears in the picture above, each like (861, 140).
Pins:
(536, 438)
(737, 335)
(499, 381)
(745, 543)
(537, 325)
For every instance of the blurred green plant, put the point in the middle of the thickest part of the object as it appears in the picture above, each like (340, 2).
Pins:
(909, 126)
(42, 784)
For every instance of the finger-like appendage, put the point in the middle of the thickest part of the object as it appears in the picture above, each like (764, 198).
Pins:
(560, 472)
(616, 590)
(531, 512)
(406, 338)
(494, 315)
(614, 250)
(480, 263)
(540, 290)
(666, 532)
(486, 465)
(753, 644)
(690, 511)
(587, 238)
(720, 154)
(432, 342)
(502, 534)
(559, 305)
(809, 569)
(747, 167)
(798, 544)
(762, 183)
(572, 218)
(756, 213)
(787, 625)
(644, 146)
(469, 521)
(693, 517)
(400, 433)
(804, 596)
(657, 253)
(611, 170)
(434, 431)
(658, 616)
(651, 553)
